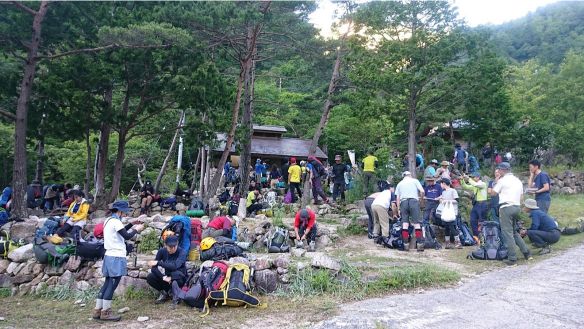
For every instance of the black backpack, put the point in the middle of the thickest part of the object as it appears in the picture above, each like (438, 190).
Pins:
(466, 237)
(224, 197)
(319, 170)
(90, 248)
(394, 240)
(221, 251)
(278, 241)
(430, 241)
(492, 248)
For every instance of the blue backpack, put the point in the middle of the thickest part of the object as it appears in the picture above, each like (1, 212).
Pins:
(49, 227)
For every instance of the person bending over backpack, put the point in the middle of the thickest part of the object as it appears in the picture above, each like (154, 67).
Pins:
(305, 226)
(115, 264)
(544, 229)
(74, 220)
(168, 266)
(219, 226)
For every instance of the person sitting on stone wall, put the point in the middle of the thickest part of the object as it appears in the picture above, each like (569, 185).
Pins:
(219, 226)
(147, 196)
(168, 266)
(74, 220)
(252, 205)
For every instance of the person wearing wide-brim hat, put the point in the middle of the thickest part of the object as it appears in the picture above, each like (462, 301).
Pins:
(544, 229)
(443, 171)
(431, 169)
(114, 262)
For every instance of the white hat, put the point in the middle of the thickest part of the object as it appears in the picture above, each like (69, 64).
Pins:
(406, 173)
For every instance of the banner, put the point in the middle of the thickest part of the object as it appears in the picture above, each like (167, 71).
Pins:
(352, 157)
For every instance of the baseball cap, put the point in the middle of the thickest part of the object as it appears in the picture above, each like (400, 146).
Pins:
(406, 173)
(338, 157)
(434, 161)
(504, 166)
(304, 214)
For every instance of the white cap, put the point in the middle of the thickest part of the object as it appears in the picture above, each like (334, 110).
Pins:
(406, 173)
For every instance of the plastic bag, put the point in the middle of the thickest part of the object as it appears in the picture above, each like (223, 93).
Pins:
(288, 198)
(448, 212)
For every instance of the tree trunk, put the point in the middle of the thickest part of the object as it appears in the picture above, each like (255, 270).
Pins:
(40, 160)
(326, 110)
(247, 122)
(412, 138)
(168, 154)
(202, 181)
(118, 166)
(88, 164)
(194, 181)
(101, 199)
(19, 171)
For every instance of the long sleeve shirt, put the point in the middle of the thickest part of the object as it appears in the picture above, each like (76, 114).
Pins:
(78, 211)
(172, 262)
(479, 189)
(541, 221)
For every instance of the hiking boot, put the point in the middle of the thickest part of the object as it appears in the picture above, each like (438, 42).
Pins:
(448, 245)
(510, 262)
(457, 243)
(406, 246)
(413, 243)
(527, 256)
(96, 313)
(545, 250)
(163, 297)
(420, 245)
(174, 304)
(378, 239)
(108, 315)
(370, 236)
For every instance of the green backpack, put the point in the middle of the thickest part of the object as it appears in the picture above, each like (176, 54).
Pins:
(48, 253)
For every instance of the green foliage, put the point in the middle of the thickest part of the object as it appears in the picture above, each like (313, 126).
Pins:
(64, 292)
(354, 228)
(5, 292)
(133, 293)
(149, 242)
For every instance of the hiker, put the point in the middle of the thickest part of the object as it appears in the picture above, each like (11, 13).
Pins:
(146, 195)
(294, 173)
(284, 172)
(219, 226)
(317, 173)
(367, 203)
(380, 209)
(539, 185)
(369, 164)
(544, 229)
(265, 175)
(419, 162)
(258, 168)
(74, 220)
(6, 198)
(510, 189)
(408, 193)
(460, 158)
(52, 197)
(338, 174)
(432, 193)
(451, 233)
(305, 227)
(168, 266)
(473, 164)
(275, 176)
(34, 195)
(480, 205)
(114, 262)
(487, 153)
(431, 169)
(443, 171)
(252, 205)
(493, 202)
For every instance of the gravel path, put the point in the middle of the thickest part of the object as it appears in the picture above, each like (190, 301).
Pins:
(548, 294)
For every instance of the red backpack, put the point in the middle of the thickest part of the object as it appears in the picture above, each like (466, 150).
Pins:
(213, 277)
(196, 232)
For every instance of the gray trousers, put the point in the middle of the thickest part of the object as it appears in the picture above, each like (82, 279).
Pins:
(508, 218)
(368, 203)
(368, 177)
(410, 211)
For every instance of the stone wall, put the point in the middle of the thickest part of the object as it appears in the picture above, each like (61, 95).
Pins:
(568, 182)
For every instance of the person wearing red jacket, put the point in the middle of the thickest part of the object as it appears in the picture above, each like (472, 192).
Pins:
(305, 226)
(219, 226)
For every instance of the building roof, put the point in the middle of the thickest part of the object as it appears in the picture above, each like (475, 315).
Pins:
(267, 128)
(275, 147)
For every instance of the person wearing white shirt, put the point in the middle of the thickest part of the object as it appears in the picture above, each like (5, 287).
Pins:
(380, 209)
(510, 189)
(408, 193)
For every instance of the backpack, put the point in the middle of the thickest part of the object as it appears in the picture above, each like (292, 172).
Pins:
(278, 241)
(394, 241)
(49, 227)
(48, 253)
(466, 237)
(221, 251)
(168, 203)
(181, 227)
(224, 197)
(319, 170)
(234, 290)
(90, 248)
(196, 232)
(491, 248)
(430, 240)
(197, 204)
(6, 245)
(232, 207)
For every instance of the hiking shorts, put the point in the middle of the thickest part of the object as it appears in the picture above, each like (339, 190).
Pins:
(114, 266)
(410, 211)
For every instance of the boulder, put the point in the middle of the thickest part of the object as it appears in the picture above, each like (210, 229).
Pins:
(53, 281)
(322, 241)
(262, 264)
(21, 254)
(324, 261)
(12, 267)
(126, 282)
(181, 207)
(259, 244)
(282, 261)
(281, 270)
(297, 252)
(66, 279)
(134, 273)
(26, 268)
(266, 281)
(23, 230)
(4, 263)
(284, 278)
(18, 268)
(567, 190)
(22, 278)
(38, 279)
(98, 214)
(239, 260)
(158, 219)
(156, 225)
(73, 264)
(301, 266)
(54, 270)
(82, 285)
(5, 281)
(89, 274)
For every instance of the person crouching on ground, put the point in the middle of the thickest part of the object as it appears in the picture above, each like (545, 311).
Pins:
(544, 229)
(305, 227)
(252, 205)
(115, 264)
(219, 226)
(451, 234)
(74, 220)
(168, 266)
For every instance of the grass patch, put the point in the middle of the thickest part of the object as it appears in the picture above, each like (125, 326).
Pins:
(411, 277)
(279, 213)
(5, 292)
(354, 228)
(63, 293)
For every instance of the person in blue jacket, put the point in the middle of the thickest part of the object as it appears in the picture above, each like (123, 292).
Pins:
(168, 266)
(544, 229)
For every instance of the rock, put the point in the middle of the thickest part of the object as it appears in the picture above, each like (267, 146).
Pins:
(20, 279)
(24, 289)
(90, 274)
(266, 281)
(143, 319)
(52, 281)
(26, 268)
(82, 285)
(156, 209)
(181, 207)
(123, 310)
(54, 270)
(262, 264)
(134, 273)
(12, 267)
(4, 263)
(324, 261)
(38, 279)
(282, 261)
(281, 270)
(66, 279)
(98, 214)
(5, 281)
(40, 287)
(284, 278)
(297, 252)
(301, 265)
(239, 260)
(567, 190)
(21, 254)
(19, 268)
(156, 225)
(73, 264)
(23, 230)
(158, 219)
(126, 282)
(259, 244)
(322, 241)
(261, 217)
(80, 275)
(322, 231)
(143, 274)
(38, 268)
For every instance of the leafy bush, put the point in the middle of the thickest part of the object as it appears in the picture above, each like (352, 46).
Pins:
(149, 242)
